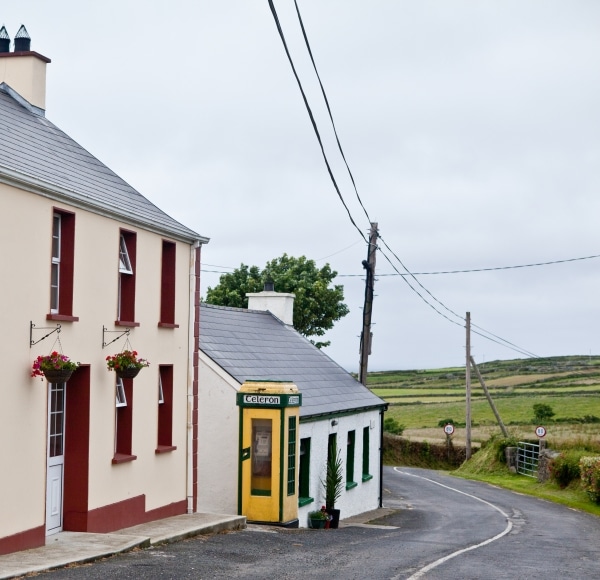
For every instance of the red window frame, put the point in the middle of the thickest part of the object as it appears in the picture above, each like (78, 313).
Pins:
(165, 411)
(66, 267)
(167, 285)
(124, 426)
(126, 313)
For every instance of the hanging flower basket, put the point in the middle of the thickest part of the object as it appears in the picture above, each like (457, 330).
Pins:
(128, 372)
(58, 376)
(56, 367)
(126, 364)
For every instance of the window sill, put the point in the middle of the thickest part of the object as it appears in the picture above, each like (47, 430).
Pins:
(168, 325)
(302, 501)
(123, 458)
(351, 484)
(62, 317)
(367, 477)
(126, 323)
(165, 448)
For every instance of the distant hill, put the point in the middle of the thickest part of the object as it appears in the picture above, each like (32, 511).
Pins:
(550, 372)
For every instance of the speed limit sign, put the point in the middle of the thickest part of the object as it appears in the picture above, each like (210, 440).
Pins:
(449, 429)
(540, 431)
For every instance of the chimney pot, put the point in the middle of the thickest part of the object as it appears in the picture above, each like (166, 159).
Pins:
(4, 40)
(269, 286)
(22, 40)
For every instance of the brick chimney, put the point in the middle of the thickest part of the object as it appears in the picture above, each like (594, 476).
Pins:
(23, 70)
(279, 304)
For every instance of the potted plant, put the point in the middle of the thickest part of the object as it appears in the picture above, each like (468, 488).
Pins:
(126, 364)
(318, 519)
(56, 367)
(333, 483)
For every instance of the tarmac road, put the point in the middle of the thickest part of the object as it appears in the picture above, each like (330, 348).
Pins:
(439, 527)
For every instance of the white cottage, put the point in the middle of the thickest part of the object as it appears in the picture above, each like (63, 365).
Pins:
(239, 345)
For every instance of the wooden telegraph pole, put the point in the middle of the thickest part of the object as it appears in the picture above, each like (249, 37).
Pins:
(468, 389)
(365, 335)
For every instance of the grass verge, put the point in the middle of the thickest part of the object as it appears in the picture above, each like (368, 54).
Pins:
(486, 466)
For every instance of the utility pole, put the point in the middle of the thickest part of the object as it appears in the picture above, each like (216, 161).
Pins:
(468, 389)
(365, 335)
(489, 398)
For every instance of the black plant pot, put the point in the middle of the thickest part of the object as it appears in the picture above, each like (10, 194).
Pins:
(335, 518)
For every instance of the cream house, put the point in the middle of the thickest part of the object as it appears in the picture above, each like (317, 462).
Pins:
(90, 267)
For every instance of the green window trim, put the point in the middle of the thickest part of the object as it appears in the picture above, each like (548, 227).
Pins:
(365, 454)
(366, 477)
(351, 484)
(291, 469)
(302, 501)
(350, 449)
(304, 463)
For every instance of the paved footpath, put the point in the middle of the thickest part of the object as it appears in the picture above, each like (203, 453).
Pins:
(67, 548)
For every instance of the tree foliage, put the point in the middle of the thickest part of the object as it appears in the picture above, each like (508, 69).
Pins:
(542, 412)
(317, 306)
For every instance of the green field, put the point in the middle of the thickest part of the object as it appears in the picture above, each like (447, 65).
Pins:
(420, 399)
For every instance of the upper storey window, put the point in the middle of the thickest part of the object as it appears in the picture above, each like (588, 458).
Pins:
(62, 266)
(127, 256)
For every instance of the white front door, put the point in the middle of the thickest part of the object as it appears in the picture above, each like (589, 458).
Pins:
(56, 446)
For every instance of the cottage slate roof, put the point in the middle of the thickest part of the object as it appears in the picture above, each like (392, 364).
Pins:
(36, 155)
(255, 345)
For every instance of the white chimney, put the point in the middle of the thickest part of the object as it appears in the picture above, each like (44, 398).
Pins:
(279, 304)
(24, 70)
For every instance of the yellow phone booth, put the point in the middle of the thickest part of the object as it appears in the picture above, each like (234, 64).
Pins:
(269, 446)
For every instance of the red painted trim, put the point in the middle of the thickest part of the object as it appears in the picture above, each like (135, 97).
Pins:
(25, 53)
(126, 323)
(123, 458)
(165, 410)
(127, 281)
(167, 325)
(167, 511)
(124, 426)
(164, 448)
(77, 451)
(62, 317)
(116, 516)
(33, 538)
(167, 283)
(130, 512)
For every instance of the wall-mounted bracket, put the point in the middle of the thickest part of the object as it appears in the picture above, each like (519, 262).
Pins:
(105, 330)
(32, 328)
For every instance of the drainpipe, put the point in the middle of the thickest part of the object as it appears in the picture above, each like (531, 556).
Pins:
(193, 349)
(381, 458)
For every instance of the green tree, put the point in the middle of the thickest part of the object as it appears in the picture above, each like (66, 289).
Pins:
(542, 412)
(317, 306)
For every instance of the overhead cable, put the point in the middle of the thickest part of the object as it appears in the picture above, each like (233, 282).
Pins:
(312, 119)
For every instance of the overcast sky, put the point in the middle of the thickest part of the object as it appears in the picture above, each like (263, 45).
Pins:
(472, 129)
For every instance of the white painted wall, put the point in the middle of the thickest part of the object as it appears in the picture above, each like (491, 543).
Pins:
(365, 496)
(218, 420)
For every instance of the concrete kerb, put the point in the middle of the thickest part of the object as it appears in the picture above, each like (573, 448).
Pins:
(68, 548)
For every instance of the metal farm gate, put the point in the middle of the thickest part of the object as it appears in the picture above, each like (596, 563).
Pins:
(527, 458)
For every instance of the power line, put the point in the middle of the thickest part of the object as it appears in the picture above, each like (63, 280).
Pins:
(329, 109)
(310, 114)
(480, 269)
(312, 119)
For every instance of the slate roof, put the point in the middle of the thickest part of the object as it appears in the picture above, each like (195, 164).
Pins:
(251, 344)
(37, 156)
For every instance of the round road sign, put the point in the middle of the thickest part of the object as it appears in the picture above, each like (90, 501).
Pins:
(449, 429)
(540, 431)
